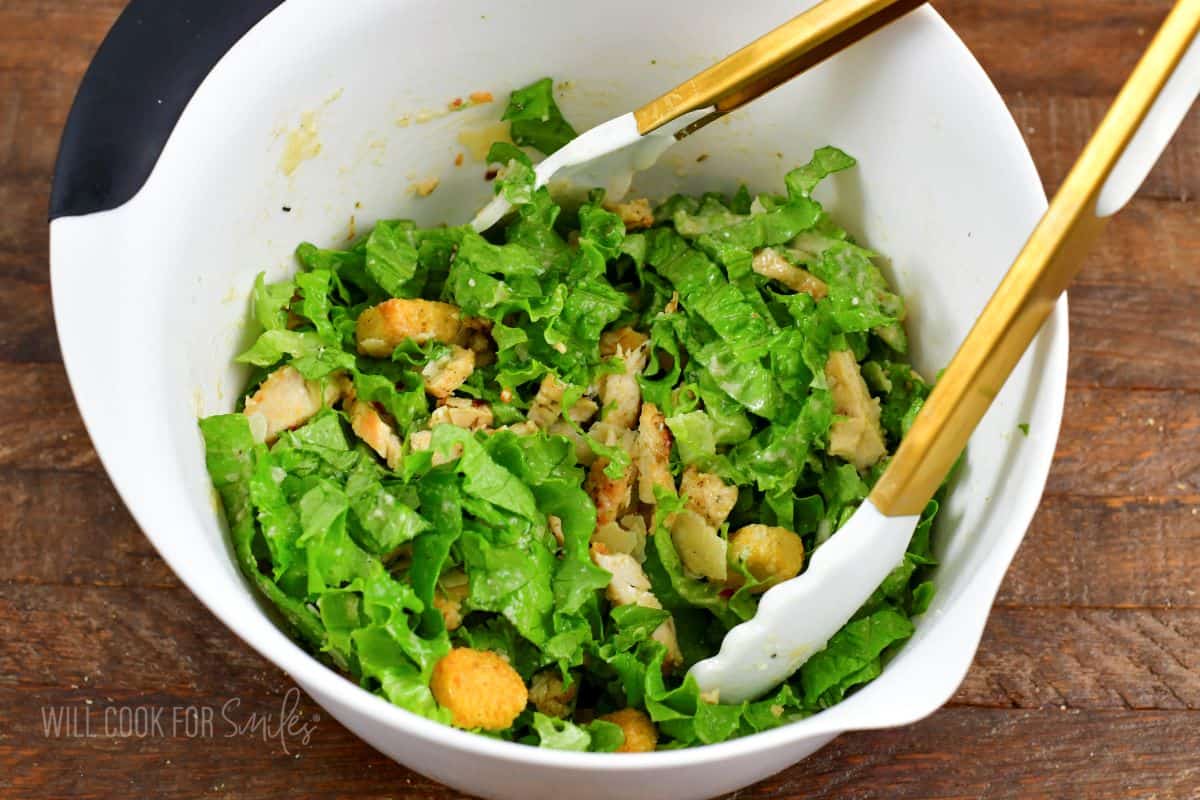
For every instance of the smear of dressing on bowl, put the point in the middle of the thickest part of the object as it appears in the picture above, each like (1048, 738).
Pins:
(477, 140)
(302, 144)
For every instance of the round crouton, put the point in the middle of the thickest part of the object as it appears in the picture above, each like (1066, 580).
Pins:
(479, 688)
(770, 554)
(640, 734)
(381, 328)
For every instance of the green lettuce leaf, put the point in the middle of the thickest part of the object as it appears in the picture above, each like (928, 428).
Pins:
(536, 119)
(852, 656)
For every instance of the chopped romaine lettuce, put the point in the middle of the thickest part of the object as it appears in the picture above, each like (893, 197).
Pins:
(396, 520)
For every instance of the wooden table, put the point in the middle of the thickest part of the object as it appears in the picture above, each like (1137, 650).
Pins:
(1087, 683)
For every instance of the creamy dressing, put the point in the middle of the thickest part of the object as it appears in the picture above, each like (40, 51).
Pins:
(302, 144)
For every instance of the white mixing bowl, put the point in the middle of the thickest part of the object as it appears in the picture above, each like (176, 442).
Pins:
(151, 297)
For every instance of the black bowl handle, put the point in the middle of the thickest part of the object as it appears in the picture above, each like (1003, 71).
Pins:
(142, 77)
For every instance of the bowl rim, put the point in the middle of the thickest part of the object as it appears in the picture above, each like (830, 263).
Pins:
(321, 680)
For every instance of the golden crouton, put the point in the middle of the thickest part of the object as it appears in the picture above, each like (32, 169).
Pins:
(479, 688)
(381, 328)
(640, 734)
(770, 264)
(708, 495)
(636, 214)
(548, 695)
(625, 343)
(770, 554)
(857, 436)
(653, 454)
(475, 334)
(285, 400)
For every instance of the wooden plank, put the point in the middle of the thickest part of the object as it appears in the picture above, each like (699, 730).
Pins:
(1087, 658)
(138, 638)
(120, 640)
(24, 245)
(1106, 552)
(956, 753)
(975, 753)
(40, 426)
(1134, 337)
(27, 335)
(72, 528)
(1154, 243)
(183, 757)
(1120, 443)
(1060, 47)
(1057, 126)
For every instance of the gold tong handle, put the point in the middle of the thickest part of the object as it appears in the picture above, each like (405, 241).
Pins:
(774, 58)
(1026, 296)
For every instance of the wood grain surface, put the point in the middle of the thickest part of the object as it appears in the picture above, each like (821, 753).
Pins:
(1087, 684)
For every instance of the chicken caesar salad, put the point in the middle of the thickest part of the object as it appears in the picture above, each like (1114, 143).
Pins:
(519, 482)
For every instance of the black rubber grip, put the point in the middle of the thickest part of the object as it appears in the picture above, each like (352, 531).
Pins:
(142, 77)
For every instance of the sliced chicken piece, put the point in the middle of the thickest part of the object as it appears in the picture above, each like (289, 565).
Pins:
(444, 375)
(462, 412)
(286, 400)
(612, 496)
(610, 435)
(549, 696)
(653, 454)
(370, 426)
(583, 451)
(525, 428)
(448, 597)
(770, 264)
(620, 394)
(857, 436)
(700, 547)
(381, 328)
(628, 535)
(630, 586)
(620, 397)
(555, 525)
(419, 441)
(546, 408)
(636, 214)
(708, 495)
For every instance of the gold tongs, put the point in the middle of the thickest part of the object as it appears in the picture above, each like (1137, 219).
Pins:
(797, 617)
(635, 140)
(771, 60)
